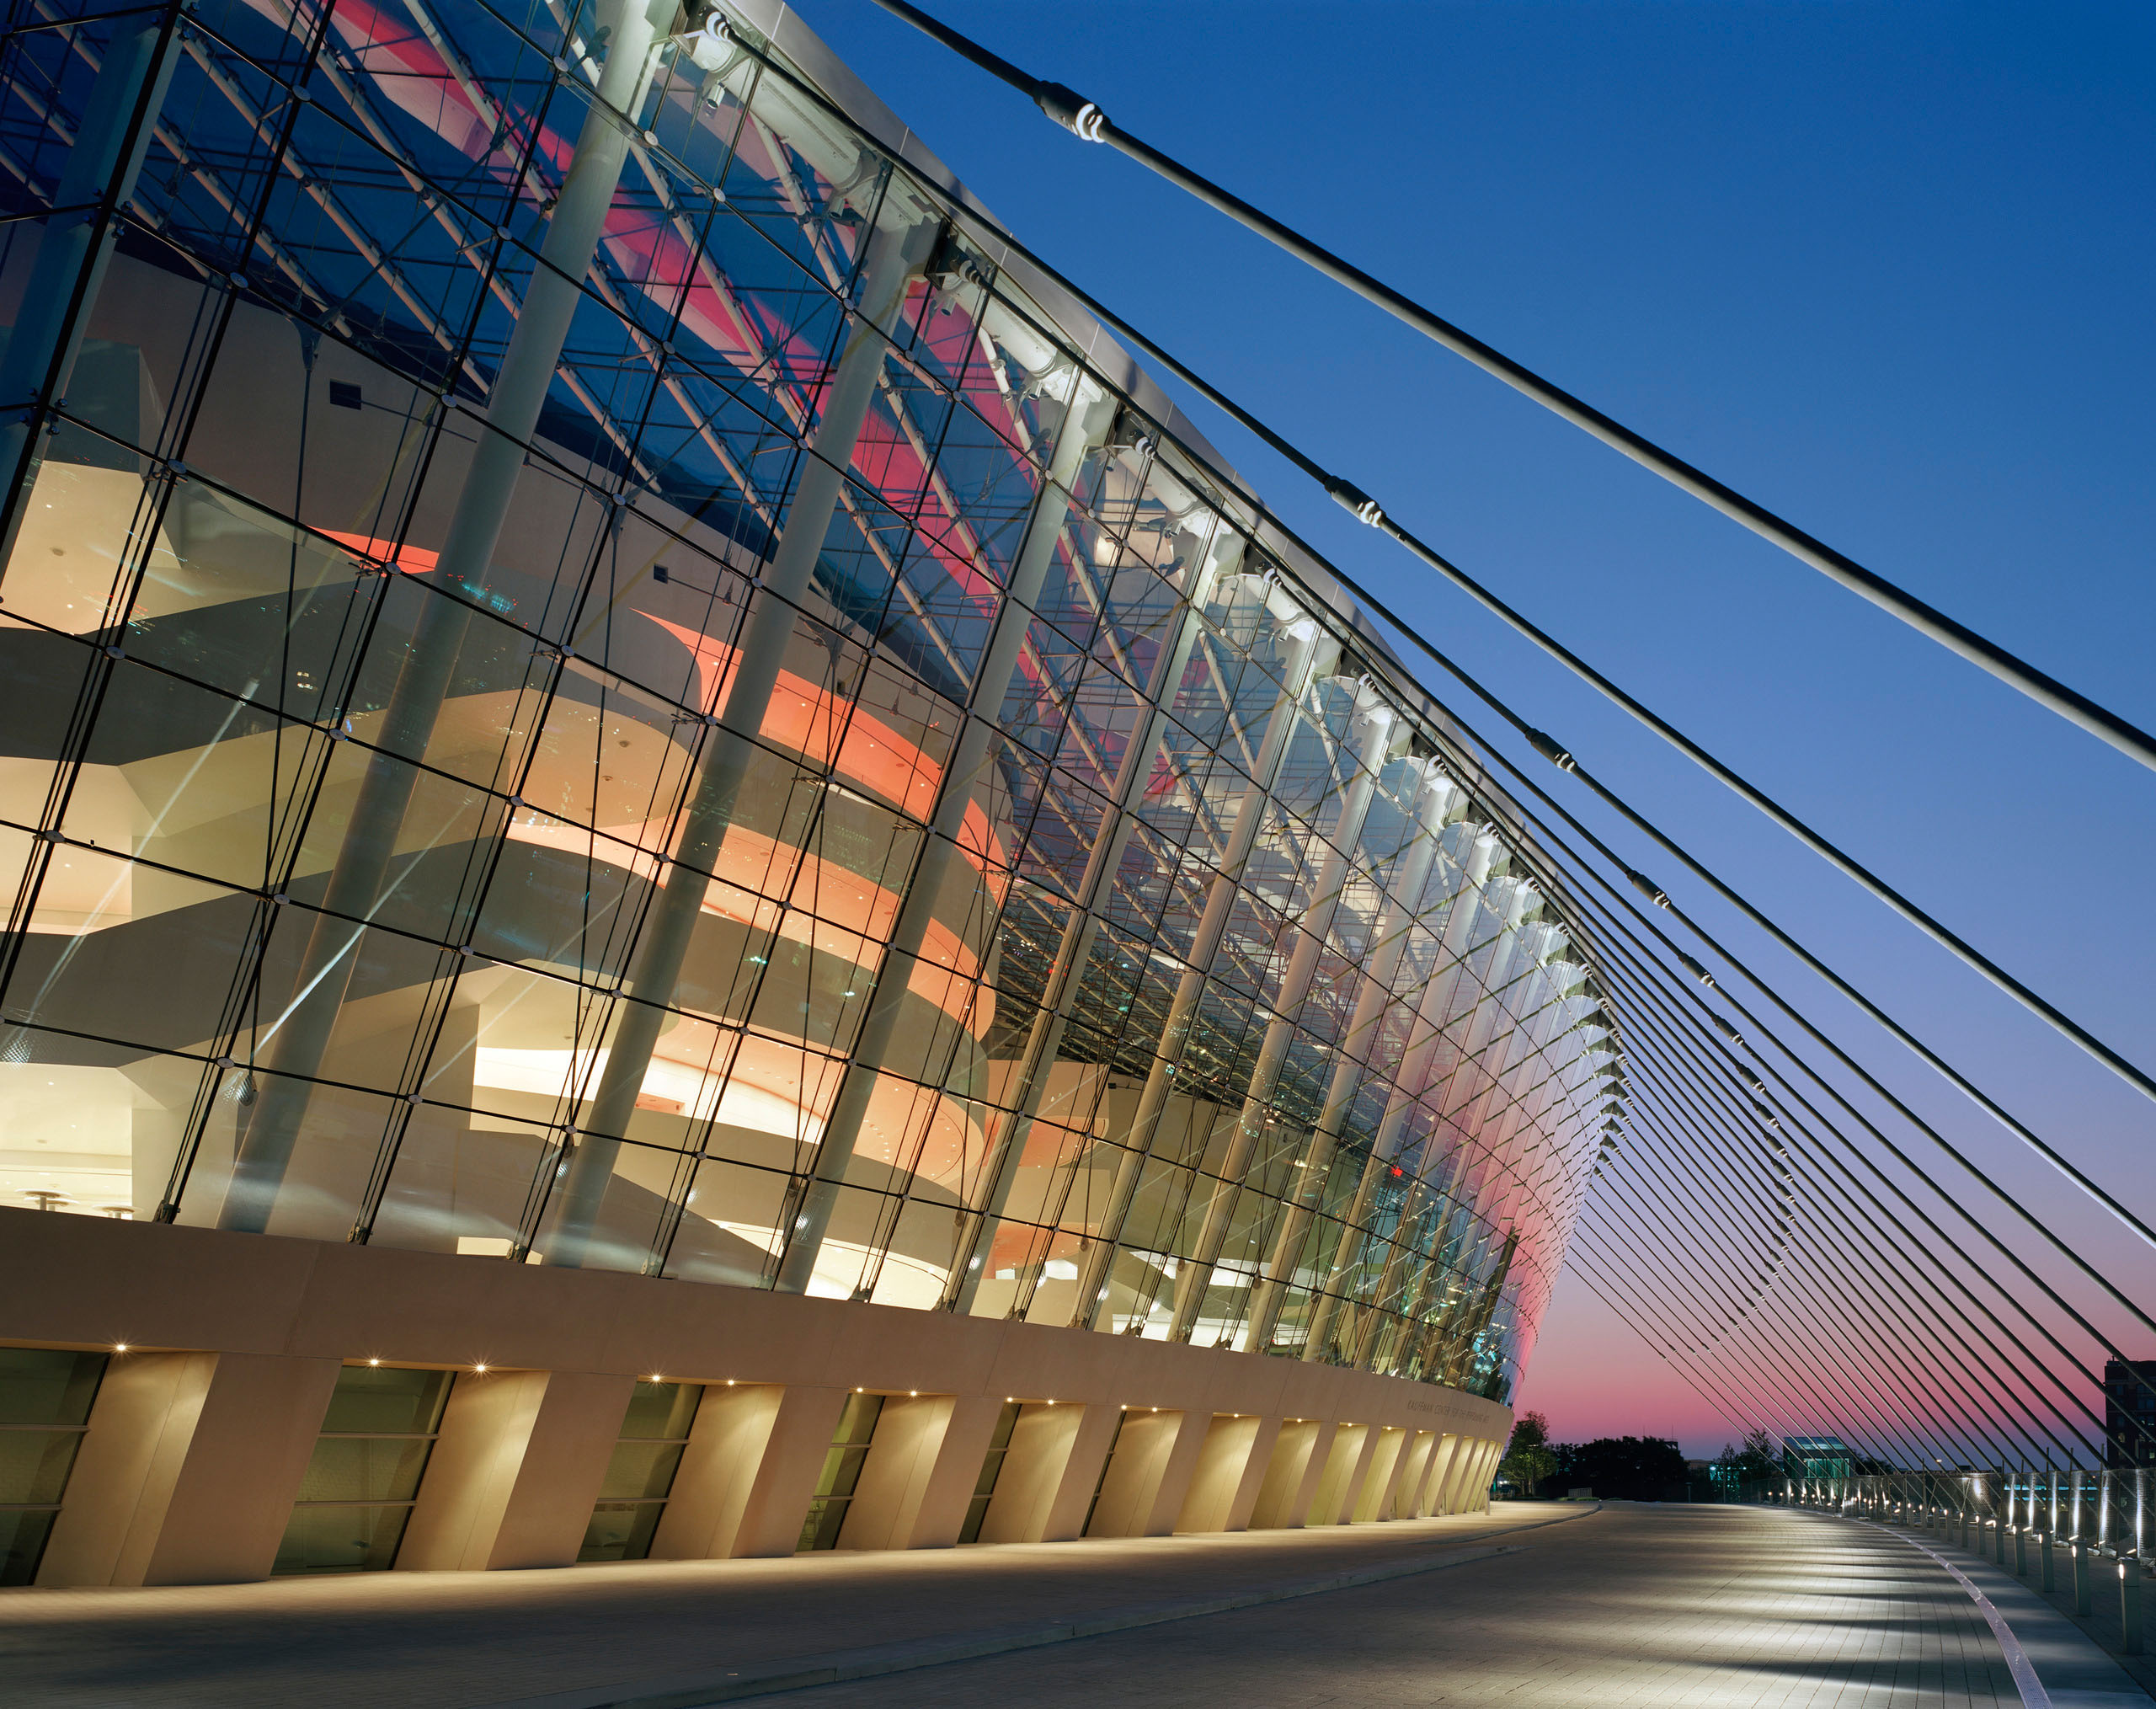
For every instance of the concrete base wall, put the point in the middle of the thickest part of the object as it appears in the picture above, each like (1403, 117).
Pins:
(204, 1427)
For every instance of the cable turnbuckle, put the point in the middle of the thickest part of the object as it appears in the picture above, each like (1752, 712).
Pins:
(1355, 501)
(1072, 111)
(1553, 750)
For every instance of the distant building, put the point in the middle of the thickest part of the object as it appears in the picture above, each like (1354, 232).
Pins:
(2130, 1412)
(1817, 1456)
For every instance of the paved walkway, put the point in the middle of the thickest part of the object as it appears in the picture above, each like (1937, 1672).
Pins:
(2076, 1656)
(1707, 1608)
(600, 1634)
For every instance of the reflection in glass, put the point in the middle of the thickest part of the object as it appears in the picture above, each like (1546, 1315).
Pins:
(45, 1409)
(640, 1474)
(765, 756)
(841, 1474)
(357, 1495)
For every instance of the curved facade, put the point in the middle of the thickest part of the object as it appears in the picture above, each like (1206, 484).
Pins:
(592, 679)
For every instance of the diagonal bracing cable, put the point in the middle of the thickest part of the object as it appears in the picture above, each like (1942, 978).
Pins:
(1523, 784)
(1722, 1128)
(1807, 1347)
(1355, 501)
(1086, 120)
(1725, 1140)
(1342, 492)
(1861, 1240)
(1542, 832)
(1959, 1210)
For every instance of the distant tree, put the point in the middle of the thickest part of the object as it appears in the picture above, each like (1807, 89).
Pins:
(1624, 1468)
(1527, 1458)
(1759, 1460)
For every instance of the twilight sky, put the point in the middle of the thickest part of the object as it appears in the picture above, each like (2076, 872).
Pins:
(1885, 267)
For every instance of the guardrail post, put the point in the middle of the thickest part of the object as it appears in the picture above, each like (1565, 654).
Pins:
(2084, 1603)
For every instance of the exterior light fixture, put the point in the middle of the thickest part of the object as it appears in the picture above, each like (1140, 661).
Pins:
(374, 1361)
(119, 1347)
(730, 1382)
(479, 1371)
(655, 1377)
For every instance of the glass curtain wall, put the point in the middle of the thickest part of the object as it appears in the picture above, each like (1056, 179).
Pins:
(586, 679)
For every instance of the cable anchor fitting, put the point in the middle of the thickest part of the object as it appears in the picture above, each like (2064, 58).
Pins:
(1694, 967)
(1647, 887)
(1355, 501)
(1549, 747)
(1072, 111)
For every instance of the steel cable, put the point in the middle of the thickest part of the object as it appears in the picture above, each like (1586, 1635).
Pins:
(1086, 120)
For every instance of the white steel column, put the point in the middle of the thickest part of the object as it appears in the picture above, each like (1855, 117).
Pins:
(1085, 427)
(1374, 723)
(896, 250)
(355, 891)
(1067, 973)
(1448, 968)
(1303, 658)
(1435, 802)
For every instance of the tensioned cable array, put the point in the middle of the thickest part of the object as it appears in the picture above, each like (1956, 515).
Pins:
(1086, 120)
(1924, 1265)
(1961, 1334)
(1367, 510)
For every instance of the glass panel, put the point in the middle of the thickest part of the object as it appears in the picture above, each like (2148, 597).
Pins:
(341, 1540)
(820, 1529)
(641, 1469)
(856, 1425)
(842, 1464)
(42, 1387)
(662, 1412)
(395, 824)
(364, 1468)
(621, 1531)
(991, 1468)
(380, 1399)
(22, 1542)
(33, 1464)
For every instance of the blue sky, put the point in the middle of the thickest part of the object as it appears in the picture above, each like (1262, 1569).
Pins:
(1887, 269)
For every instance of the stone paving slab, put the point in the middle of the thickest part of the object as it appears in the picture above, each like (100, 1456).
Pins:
(2073, 1670)
(455, 1640)
(1693, 1607)
(883, 1660)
